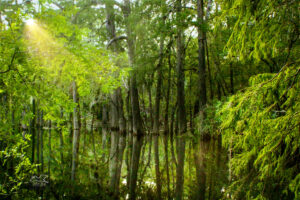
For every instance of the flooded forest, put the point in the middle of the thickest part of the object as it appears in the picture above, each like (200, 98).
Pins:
(149, 99)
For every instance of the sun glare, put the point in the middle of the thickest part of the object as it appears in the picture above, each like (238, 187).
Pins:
(30, 22)
(42, 45)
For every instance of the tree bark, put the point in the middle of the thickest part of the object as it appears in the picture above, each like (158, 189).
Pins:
(61, 142)
(166, 123)
(84, 132)
(118, 125)
(50, 149)
(156, 117)
(122, 139)
(200, 158)
(38, 127)
(113, 157)
(212, 170)
(76, 132)
(42, 142)
(181, 105)
(129, 139)
(32, 130)
(200, 162)
(209, 73)
(201, 56)
(104, 129)
(138, 129)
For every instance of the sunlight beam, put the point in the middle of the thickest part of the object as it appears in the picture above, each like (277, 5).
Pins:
(30, 22)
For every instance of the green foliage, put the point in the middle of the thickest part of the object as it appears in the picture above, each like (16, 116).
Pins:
(13, 182)
(261, 126)
(42, 68)
(263, 30)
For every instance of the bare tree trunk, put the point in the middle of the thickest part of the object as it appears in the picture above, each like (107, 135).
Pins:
(166, 123)
(172, 135)
(70, 140)
(61, 143)
(93, 137)
(157, 170)
(104, 129)
(42, 142)
(118, 124)
(200, 162)
(200, 158)
(129, 139)
(138, 132)
(181, 106)
(137, 145)
(84, 132)
(201, 56)
(113, 157)
(38, 127)
(209, 73)
(50, 150)
(149, 139)
(76, 133)
(122, 139)
(32, 130)
(138, 129)
(212, 170)
(150, 107)
(156, 117)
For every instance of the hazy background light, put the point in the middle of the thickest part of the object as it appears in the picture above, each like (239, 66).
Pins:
(30, 22)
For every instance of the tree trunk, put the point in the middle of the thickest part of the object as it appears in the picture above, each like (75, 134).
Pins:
(104, 129)
(156, 117)
(32, 130)
(76, 132)
(181, 105)
(93, 137)
(209, 73)
(122, 139)
(138, 129)
(113, 156)
(137, 145)
(50, 150)
(129, 139)
(212, 170)
(201, 56)
(166, 123)
(118, 124)
(38, 127)
(42, 142)
(151, 124)
(172, 135)
(200, 160)
(61, 143)
(149, 139)
(84, 132)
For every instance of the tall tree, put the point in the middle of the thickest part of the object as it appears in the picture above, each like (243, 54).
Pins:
(137, 123)
(157, 110)
(181, 113)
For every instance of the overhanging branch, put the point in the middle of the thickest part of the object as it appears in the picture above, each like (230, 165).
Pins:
(122, 37)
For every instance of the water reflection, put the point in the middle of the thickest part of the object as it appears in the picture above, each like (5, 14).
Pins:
(204, 168)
